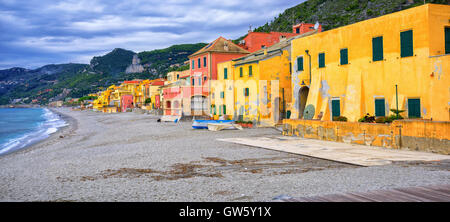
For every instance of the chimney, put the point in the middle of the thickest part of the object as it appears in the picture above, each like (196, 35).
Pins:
(225, 46)
(264, 48)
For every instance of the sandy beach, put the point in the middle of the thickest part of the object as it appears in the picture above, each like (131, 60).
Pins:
(132, 157)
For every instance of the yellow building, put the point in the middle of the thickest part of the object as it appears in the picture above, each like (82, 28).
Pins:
(222, 91)
(154, 93)
(259, 86)
(354, 70)
(103, 99)
(140, 93)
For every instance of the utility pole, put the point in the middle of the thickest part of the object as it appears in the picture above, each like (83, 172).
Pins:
(396, 99)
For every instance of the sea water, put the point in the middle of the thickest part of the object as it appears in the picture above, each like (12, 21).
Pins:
(20, 127)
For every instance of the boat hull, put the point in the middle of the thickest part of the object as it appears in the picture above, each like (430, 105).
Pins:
(203, 124)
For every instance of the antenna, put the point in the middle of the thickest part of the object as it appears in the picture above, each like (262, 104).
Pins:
(316, 26)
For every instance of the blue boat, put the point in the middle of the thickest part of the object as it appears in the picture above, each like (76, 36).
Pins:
(203, 124)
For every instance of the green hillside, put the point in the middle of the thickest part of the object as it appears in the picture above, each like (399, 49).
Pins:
(56, 82)
(335, 13)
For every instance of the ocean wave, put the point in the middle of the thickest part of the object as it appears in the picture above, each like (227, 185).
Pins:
(50, 125)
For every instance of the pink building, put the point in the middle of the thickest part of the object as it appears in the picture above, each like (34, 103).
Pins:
(126, 101)
(203, 68)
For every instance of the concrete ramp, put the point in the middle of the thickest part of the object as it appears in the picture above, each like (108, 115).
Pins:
(341, 152)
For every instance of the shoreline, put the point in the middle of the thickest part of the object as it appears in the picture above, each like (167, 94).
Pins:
(71, 126)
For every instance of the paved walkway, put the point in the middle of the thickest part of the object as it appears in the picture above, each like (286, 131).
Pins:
(342, 152)
(435, 193)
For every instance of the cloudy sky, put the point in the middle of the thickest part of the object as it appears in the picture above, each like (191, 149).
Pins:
(38, 32)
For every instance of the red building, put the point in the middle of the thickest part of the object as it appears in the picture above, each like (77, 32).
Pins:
(203, 68)
(305, 27)
(254, 41)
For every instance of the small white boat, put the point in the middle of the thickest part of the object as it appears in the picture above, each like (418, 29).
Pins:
(203, 124)
(223, 126)
(167, 118)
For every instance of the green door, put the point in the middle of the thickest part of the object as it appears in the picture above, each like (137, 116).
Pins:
(336, 107)
(380, 107)
(447, 40)
(414, 108)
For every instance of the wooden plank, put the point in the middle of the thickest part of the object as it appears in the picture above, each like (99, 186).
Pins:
(435, 193)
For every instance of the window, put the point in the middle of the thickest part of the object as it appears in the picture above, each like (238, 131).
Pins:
(222, 95)
(321, 60)
(198, 61)
(250, 73)
(193, 64)
(447, 40)
(241, 73)
(380, 109)
(199, 81)
(213, 109)
(300, 63)
(178, 76)
(414, 108)
(344, 56)
(204, 78)
(225, 73)
(246, 92)
(297, 30)
(224, 109)
(406, 43)
(193, 81)
(377, 48)
(204, 61)
(336, 107)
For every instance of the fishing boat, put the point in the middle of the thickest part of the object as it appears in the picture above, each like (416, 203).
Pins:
(203, 124)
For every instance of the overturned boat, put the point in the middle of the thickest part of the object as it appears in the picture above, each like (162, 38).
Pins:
(203, 124)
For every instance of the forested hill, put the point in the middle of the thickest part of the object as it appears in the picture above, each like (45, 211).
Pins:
(335, 13)
(60, 81)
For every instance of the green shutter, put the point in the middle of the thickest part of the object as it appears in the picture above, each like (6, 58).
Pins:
(377, 48)
(406, 43)
(224, 109)
(321, 60)
(413, 108)
(344, 56)
(380, 109)
(447, 40)
(204, 61)
(199, 64)
(193, 64)
(225, 73)
(241, 73)
(250, 73)
(300, 64)
(222, 95)
(336, 107)
(246, 92)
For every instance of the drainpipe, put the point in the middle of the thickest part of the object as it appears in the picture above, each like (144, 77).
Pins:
(310, 80)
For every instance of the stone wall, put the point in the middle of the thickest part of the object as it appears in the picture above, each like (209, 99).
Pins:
(429, 136)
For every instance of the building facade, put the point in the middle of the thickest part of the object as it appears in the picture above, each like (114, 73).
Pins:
(396, 60)
(203, 68)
